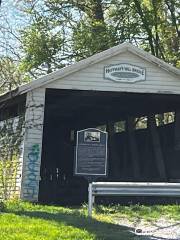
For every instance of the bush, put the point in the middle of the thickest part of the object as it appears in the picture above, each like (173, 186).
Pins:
(8, 175)
(14, 205)
(2, 207)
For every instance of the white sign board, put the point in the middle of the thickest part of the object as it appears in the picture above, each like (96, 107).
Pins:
(124, 72)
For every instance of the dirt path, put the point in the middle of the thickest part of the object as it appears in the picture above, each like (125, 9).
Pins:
(163, 229)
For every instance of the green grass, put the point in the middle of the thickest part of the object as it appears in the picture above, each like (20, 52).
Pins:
(19, 221)
(26, 221)
(146, 213)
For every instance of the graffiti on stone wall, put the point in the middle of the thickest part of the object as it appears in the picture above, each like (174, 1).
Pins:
(32, 176)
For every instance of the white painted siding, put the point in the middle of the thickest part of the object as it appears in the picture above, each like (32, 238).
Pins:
(34, 118)
(91, 78)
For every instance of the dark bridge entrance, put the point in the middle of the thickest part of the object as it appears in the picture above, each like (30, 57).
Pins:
(142, 145)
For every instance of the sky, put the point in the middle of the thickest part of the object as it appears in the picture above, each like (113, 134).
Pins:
(10, 18)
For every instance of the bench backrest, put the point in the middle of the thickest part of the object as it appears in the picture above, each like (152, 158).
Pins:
(131, 189)
(135, 189)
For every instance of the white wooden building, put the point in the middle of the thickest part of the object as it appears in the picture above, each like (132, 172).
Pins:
(110, 88)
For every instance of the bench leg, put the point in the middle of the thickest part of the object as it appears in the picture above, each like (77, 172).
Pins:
(90, 200)
(93, 200)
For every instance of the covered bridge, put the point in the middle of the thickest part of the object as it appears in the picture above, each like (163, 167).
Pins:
(110, 90)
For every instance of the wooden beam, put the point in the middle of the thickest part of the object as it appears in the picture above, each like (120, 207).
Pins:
(177, 131)
(157, 147)
(114, 158)
(133, 147)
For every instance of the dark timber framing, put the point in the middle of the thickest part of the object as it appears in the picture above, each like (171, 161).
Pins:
(157, 147)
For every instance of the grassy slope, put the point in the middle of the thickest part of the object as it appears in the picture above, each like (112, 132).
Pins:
(27, 221)
(21, 221)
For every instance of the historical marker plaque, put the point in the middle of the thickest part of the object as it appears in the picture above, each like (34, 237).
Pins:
(91, 153)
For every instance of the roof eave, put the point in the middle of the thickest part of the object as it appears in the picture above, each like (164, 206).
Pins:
(74, 68)
(90, 61)
(152, 59)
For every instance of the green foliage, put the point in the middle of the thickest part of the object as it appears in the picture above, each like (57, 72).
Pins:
(2, 206)
(11, 135)
(90, 38)
(8, 174)
(41, 45)
(59, 32)
(10, 75)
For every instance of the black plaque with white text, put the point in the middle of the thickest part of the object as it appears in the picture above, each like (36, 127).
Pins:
(91, 153)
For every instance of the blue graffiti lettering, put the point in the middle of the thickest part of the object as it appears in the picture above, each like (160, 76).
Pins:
(32, 165)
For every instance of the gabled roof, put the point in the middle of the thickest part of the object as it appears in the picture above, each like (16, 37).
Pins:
(95, 59)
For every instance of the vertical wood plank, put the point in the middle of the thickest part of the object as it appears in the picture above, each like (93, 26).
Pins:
(157, 147)
(177, 131)
(114, 170)
(133, 147)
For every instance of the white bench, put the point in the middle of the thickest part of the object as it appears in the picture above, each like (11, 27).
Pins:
(130, 189)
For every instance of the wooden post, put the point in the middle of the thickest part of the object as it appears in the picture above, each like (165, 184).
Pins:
(177, 131)
(114, 171)
(157, 147)
(34, 119)
(90, 200)
(133, 147)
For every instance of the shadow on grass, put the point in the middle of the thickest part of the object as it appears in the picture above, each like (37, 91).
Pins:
(101, 230)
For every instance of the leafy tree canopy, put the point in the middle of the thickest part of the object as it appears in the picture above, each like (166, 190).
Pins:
(59, 32)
